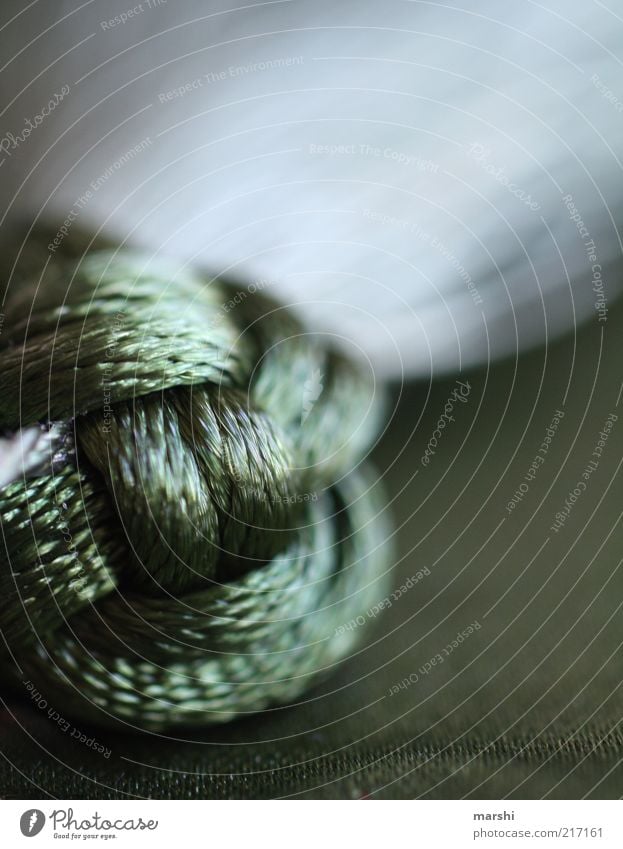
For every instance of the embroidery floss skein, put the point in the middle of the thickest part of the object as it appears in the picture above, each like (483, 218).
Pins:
(194, 517)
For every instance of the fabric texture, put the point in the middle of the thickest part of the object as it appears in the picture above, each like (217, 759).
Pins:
(527, 705)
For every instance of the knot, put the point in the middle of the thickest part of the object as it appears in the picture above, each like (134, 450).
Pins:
(204, 524)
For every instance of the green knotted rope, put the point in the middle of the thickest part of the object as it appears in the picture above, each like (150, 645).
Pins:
(198, 522)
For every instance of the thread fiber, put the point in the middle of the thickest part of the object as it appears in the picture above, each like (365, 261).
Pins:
(194, 517)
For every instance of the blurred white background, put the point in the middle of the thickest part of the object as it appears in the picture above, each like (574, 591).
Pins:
(407, 173)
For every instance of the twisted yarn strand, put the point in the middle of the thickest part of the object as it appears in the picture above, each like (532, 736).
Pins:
(194, 519)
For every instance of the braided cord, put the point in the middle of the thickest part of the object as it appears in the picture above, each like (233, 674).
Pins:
(194, 519)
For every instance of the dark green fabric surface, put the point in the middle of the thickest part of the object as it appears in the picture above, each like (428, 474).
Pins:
(528, 706)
